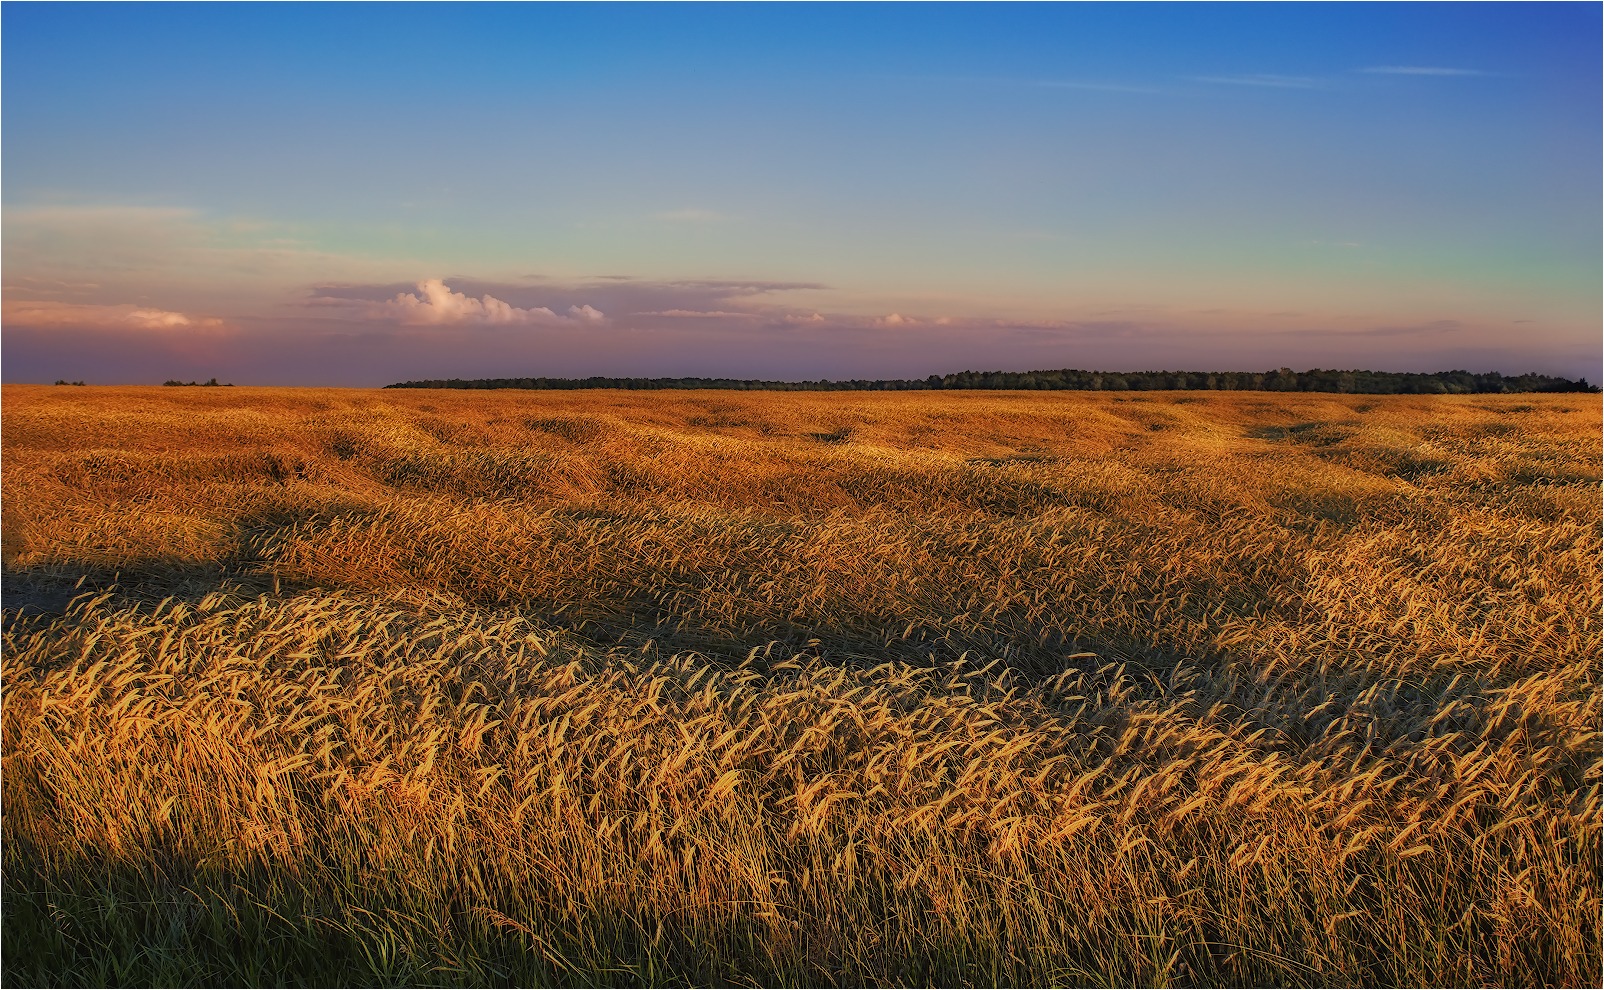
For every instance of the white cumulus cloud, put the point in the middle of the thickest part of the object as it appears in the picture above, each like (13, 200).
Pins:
(436, 303)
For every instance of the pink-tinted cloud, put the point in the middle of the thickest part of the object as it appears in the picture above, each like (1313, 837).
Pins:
(129, 316)
(48, 339)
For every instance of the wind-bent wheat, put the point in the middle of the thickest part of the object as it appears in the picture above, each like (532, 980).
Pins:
(555, 688)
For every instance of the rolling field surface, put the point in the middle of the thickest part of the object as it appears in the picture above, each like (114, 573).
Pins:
(423, 687)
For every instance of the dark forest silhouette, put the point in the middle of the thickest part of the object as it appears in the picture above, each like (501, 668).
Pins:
(1281, 380)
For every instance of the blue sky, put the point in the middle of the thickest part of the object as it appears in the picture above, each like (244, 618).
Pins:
(332, 194)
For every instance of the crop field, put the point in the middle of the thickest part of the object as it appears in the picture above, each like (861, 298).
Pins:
(574, 688)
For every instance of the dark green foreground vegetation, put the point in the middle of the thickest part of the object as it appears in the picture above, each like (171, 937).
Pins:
(1283, 380)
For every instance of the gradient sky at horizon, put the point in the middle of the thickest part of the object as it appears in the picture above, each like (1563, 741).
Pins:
(358, 194)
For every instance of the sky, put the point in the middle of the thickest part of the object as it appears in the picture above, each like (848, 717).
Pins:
(352, 195)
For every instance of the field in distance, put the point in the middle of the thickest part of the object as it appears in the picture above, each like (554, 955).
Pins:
(339, 687)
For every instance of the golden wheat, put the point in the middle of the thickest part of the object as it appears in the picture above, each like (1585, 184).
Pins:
(801, 689)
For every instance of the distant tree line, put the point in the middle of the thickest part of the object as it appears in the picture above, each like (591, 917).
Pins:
(209, 382)
(1281, 380)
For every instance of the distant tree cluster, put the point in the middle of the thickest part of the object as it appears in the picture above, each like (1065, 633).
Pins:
(1281, 380)
(63, 381)
(208, 382)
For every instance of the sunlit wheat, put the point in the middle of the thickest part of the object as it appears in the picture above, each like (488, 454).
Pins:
(607, 688)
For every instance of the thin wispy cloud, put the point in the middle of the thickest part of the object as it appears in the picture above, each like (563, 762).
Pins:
(109, 252)
(27, 285)
(1083, 328)
(739, 287)
(1419, 70)
(1262, 79)
(1431, 329)
(700, 314)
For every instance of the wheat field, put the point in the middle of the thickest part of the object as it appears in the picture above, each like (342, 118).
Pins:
(326, 687)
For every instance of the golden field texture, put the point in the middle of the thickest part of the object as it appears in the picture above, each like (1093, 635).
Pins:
(798, 688)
